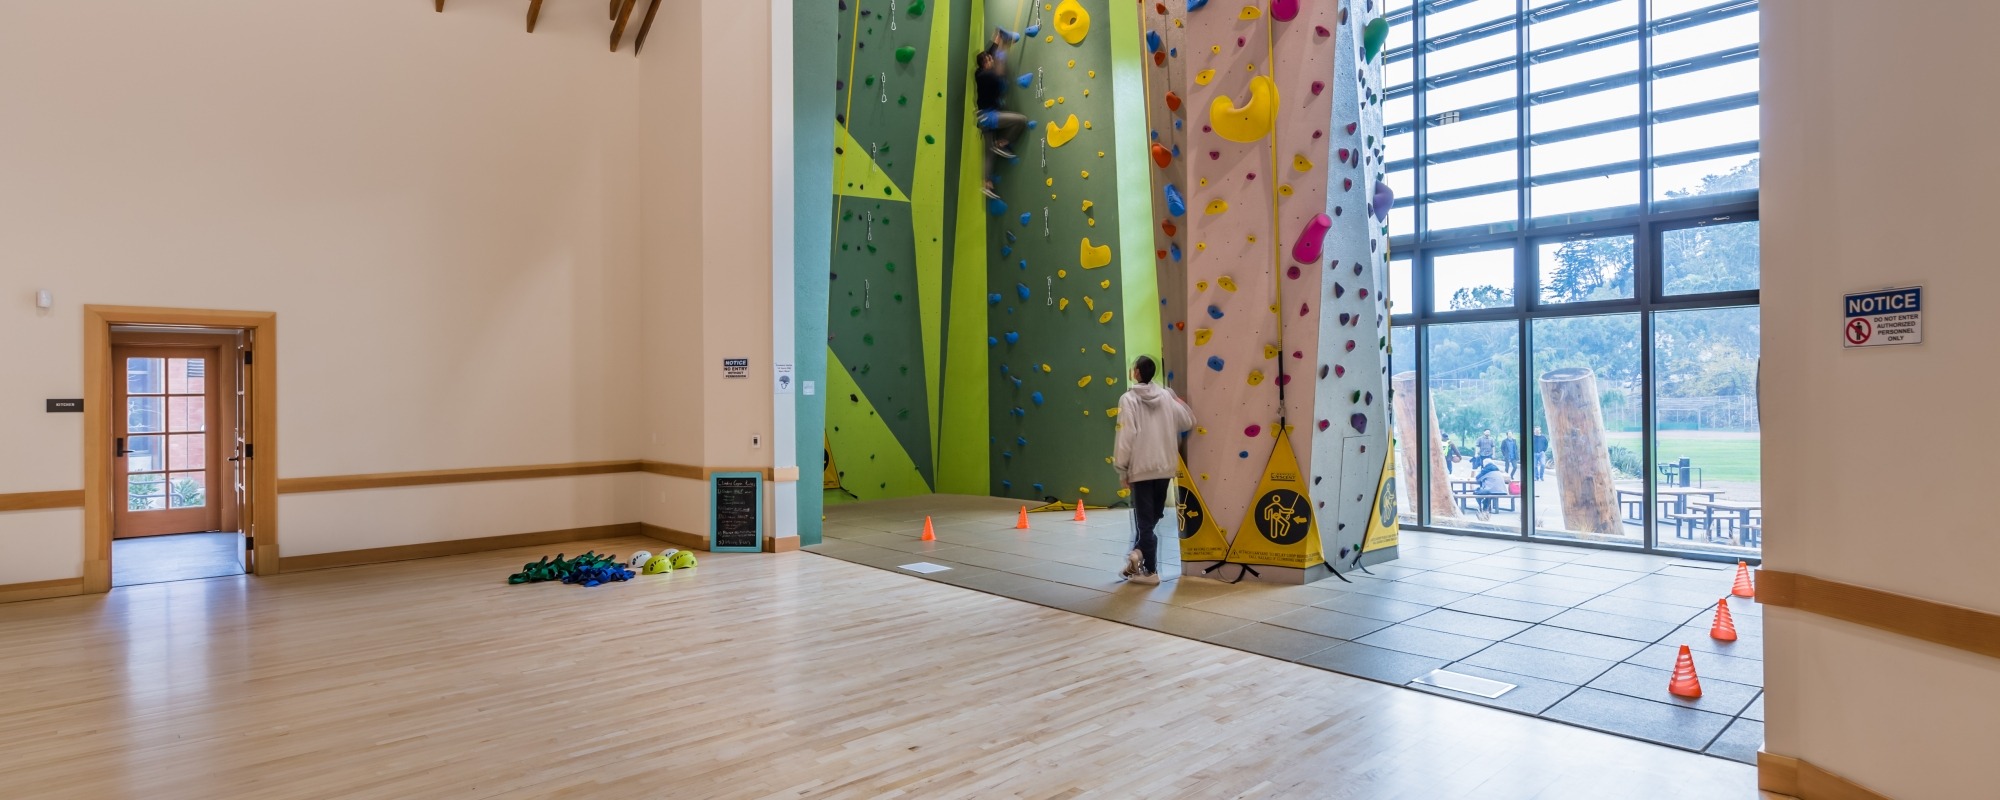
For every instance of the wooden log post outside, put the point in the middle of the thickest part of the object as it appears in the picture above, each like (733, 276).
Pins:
(1404, 390)
(1583, 462)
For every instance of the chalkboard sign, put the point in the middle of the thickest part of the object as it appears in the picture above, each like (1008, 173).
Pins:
(736, 512)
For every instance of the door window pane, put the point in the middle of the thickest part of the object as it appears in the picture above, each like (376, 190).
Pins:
(146, 492)
(1708, 439)
(1475, 395)
(1402, 409)
(1585, 268)
(187, 414)
(1583, 451)
(145, 375)
(187, 451)
(187, 490)
(184, 375)
(145, 415)
(145, 453)
(1479, 279)
(1710, 258)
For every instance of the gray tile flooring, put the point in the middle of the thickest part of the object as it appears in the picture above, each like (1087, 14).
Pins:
(1587, 636)
(176, 557)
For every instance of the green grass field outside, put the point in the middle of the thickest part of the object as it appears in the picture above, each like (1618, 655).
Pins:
(1721, 456)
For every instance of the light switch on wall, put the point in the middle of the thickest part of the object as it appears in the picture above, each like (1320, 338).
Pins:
(756, 440)
(811, 387)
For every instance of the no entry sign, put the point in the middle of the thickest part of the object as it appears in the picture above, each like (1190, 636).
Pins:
(1886, 317)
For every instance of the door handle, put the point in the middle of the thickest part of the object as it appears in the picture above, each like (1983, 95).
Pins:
(121, 451)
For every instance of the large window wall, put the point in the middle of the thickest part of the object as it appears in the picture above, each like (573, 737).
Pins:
(1574, 269)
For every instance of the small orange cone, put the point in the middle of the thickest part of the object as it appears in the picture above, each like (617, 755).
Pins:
(1079, 509)
(1744, 586)
(1684, 682)
(1022, 524)
(929, 534)
(1724, 629)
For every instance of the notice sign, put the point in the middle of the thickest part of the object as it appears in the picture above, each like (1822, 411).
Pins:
(736, 512)
(736, 368)
(1890, 316)
(782, 383)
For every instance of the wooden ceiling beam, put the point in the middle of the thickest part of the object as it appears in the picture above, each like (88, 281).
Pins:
(644, 26)
(618, 30)
(534, 12)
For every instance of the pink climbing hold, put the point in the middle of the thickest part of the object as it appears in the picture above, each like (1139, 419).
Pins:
(1343, 155)
(1323, 424)
(1298, 354)
(1251, 176)
(1284, 10)
(1292, 273)
(1253, 430)
(1321, 31)
(1304, 309)
(1350, 128)
(1214, 154)
(1350, 345)
(1318, 86)
(1284, 379)
(1307, 249)
(1339, 371)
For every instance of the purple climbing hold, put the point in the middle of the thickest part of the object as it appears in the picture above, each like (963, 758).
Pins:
(1385, 197)
(1360, 422)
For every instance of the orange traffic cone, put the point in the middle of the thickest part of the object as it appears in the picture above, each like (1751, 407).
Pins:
(1022, 523)
(1724, 629)
(929, 534)
(1079, 509)
(1744, 586)
(1684, 682)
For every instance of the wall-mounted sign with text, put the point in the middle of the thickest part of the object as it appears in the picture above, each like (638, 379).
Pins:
(1886, 317)
(736, 368)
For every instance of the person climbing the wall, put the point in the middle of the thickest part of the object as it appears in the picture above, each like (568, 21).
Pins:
(1000, 127)
(1151, 419)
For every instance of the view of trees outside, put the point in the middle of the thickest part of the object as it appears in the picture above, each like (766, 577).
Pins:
(1403, 359)
(1705, 412)
(1475, 391)
(1590, 484)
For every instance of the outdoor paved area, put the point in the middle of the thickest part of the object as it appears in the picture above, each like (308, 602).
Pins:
(1587, 636)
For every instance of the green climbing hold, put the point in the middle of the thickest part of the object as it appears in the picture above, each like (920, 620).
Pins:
(929, 139)
(905, 53)
(899, 297)
(1372, 38)
(890, 266)
(891, 191)
(902, 100)
(870, 80)
(917, 8)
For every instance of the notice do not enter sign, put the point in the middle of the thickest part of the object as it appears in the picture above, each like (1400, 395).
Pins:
(1886, 317)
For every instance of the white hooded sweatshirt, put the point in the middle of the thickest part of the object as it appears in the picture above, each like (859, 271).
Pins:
(1150, 421)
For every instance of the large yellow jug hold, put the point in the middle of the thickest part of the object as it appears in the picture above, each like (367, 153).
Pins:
(1060, 134)
(1252, 120)
(1072, 22)
(1093, 257)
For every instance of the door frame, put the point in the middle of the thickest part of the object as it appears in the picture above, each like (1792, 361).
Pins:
(219, 416)
(259, 516)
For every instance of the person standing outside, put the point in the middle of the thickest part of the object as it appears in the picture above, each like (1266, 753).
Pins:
(1510, 453)
(999, 127)
(1539, 450)
(1151, 419)
(1482, 450)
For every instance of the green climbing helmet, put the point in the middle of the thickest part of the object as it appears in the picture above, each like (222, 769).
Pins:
(683, 560)
(657, 564)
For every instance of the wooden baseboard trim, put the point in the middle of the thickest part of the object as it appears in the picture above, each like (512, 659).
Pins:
(41, 501)
(1967, 629)
(1801, 779)
(680, 539)
(699, 473)
(41, 590)
(784, 545)
(452, 547)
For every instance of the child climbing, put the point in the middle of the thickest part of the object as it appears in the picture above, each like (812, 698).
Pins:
(1146, 454)
(1000, 128)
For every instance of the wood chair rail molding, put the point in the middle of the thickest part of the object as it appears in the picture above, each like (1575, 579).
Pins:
(1793, 777)
(1953, 626)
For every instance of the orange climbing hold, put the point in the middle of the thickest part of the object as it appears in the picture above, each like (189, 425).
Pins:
(1744, 586)
(1162, 156)
(1170, 228)
(1173, 102)
(1724, 629)
(1684, 683)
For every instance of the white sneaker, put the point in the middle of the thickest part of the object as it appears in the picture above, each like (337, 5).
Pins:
(1145, 579)
(1134, 564)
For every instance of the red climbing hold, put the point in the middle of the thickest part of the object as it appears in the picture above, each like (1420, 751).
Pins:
(1173, 102)
(1169, 227)
(1162, 156)
(1159, 58)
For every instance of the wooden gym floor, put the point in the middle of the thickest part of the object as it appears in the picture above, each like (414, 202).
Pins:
(752, 675)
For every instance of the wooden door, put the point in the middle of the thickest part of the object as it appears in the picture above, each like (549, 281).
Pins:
(167, 439)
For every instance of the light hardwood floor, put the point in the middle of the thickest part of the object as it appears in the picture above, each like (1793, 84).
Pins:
(789, 675)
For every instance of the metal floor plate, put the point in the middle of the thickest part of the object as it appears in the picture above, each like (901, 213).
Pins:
(925, 567)
(1461, 682)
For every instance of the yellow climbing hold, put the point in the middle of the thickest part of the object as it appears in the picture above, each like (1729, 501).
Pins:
(1111, 381)
(1215, 48)
(1062, 273)
(1201, 286)
(1270, 351)
(1250, 121)
(1086, 93)
(1201, 335)
(1049, 38)
(1086, 125)
(1089, 303)
(1092, 222)
(1203, 77)
(1201, 247)
(1104, 317)
(1085, 173)
(1083, 382)
(1072, 63)
(1217, 206)
(1093, 73)
(1062, 304)
(1285, 189)
(1062, 100)
(1060, 133)
(1204, 181)
(1256, 377)
(1227, 283)
(1072, 22)
(1083, 489)
(1121, 492)
(1111, 412)
(1104, 284)
(1301, 163)
(1093, 257)
(1048, 104)
(1253, 239)
(1107, 347)
(1048, 181)
(1046, 368)
(1087, 206)
(1250, 12)
(1100, 154)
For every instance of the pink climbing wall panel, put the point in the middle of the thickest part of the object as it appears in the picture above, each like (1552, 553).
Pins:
(1166, 121)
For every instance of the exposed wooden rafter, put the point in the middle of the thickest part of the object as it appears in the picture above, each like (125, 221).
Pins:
(619, 11)
(618, 29)
(534, 12)
(644, 26)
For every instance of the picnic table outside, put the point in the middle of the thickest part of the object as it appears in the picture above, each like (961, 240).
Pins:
(1674, 500)
(1746, 524)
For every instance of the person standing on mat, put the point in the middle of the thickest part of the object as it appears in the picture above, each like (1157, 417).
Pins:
(999, 127)
(1151, 419)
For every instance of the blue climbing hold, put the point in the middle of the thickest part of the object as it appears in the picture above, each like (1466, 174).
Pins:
(1021, 440)
(1242, 454)
(1035, 29)
(1214, 313)
(1027, 216)
(993, 299)
(1006, 484)
(1025, 80)
(1177, 151)
(1003, 369)
(992, 342)
(1017, 382)
(1174, 250)
(1006, 454)
(1006, 251)
(1038, 488)
(1215, 363)
(995, 206)
(1018, 412)
(1152, 41)
(1175, 205)
(1037, 397)
(1195, 5)
(1013, 337)
(1022, 290)
(1170, 376)
(1023, 264)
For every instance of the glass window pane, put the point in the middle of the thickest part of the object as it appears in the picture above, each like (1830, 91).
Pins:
(146, 492)
(1400, 35)
(1585, 268)
(1466, 133)
(187, 414)
(1399, 110)
(1497, 85)
(1668, 8)
(1727, 80)
(1398, 72)
(187, 451)
(1684, 43)
(1400, 147)
(1583, 450)
(184, 375)
(1707, 444)
(1709, 130)
(1465, 15)
(1569, 111)
(1549, 31)
(1585, 66)
(1403, 220)
(145, 375)
(1586, 199)
(1459, 55)
(1710, 258)
(1475, 397)
(1399, 182)
(1402, 299)
(1402, 413)
(1496, 212)
(1475, 171)
(1715, 176)
(145, 453)
(187, 490)
(1478, 279)
(145, 415)
(1588, 151)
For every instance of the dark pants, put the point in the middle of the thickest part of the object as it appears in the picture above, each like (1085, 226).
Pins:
(1149, 504)
(1008, 127)
(1490, 501)
(1512, 465)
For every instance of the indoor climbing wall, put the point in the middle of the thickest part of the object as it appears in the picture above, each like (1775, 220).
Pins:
(1283, 278)
(1166, 122)
(887, 267)
(1057, 292)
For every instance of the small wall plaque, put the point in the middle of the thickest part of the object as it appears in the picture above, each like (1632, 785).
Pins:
(66, 406)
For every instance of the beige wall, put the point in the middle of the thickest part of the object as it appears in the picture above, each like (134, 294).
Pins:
(485, 248)
(1879, 463)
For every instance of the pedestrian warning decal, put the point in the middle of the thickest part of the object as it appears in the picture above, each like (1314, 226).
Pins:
(1201, 538)
(1383, 528)
(1890, 316)
(1279, 529)
(829, 475)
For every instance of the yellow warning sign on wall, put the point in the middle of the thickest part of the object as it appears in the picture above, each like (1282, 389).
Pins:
(1279, 529)
(1201, 538)
(829, 477)
(1384, 529)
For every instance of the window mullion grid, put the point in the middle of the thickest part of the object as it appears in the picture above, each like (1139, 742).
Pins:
(1420, 133)
(1521, 117)
(1645, 112)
